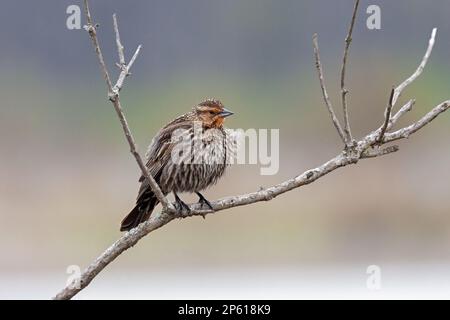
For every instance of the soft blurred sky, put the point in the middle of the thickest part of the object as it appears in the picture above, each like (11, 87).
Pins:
(67, 179)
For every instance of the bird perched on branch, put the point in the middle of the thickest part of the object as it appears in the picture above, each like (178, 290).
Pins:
(187, 155)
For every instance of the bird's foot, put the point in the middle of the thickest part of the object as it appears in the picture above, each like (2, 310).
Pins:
(202, 200)
(181, 206)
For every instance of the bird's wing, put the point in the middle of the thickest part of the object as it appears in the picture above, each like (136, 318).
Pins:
(159, 151)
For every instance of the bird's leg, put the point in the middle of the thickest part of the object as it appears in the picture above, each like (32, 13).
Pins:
(180, 205)
(202, 200)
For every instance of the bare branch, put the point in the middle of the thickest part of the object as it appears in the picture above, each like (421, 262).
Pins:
(113, 95)
(407, 131)
(344, 91)
(91, 29)
(118, 42)
(126, 70)
(133, 58)
(351, 155)
(379, 152)
(419, 70)
(387, 116)
(396, 92)
(125, 242)
(335, 120)
(156, 221)
(406, 108)
(133, 149)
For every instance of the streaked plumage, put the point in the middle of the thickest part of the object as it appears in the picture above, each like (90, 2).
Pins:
(175, 168)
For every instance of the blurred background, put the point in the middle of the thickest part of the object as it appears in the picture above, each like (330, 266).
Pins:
(67, 178)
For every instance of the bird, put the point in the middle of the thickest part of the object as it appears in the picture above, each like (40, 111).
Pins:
(189, 154)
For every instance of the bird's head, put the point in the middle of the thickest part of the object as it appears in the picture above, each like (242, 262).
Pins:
(212, 113)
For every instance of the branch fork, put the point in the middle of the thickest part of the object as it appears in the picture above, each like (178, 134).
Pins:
(113, 96)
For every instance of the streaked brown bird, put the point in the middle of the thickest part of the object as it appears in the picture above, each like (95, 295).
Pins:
(187, 155)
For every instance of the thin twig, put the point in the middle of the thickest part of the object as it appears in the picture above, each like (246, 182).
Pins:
(126, 70)
(387, 117)
(404, 133)
(118, 42)
(328, 104)
(113, 95)
(167, 205)
(91, 29)
(406, 108)
(419, 70)
(344, 91)
(379, 152)
(133, 58)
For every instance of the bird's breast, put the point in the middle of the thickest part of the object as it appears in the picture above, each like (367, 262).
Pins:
(200, 163)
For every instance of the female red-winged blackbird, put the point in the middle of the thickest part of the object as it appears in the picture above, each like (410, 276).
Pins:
(187, 155)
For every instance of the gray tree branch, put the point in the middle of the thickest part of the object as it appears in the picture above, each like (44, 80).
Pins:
(113, 95)
(367, 147)
(419, 70)
(344, 90)
(387, 116)
(325, 95)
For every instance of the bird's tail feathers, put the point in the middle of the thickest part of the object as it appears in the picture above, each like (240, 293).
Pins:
(140, 213)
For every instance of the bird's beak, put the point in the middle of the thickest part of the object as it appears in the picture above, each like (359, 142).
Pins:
(225, 113)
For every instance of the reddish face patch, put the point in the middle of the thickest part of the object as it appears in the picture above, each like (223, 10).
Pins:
(209, 113)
